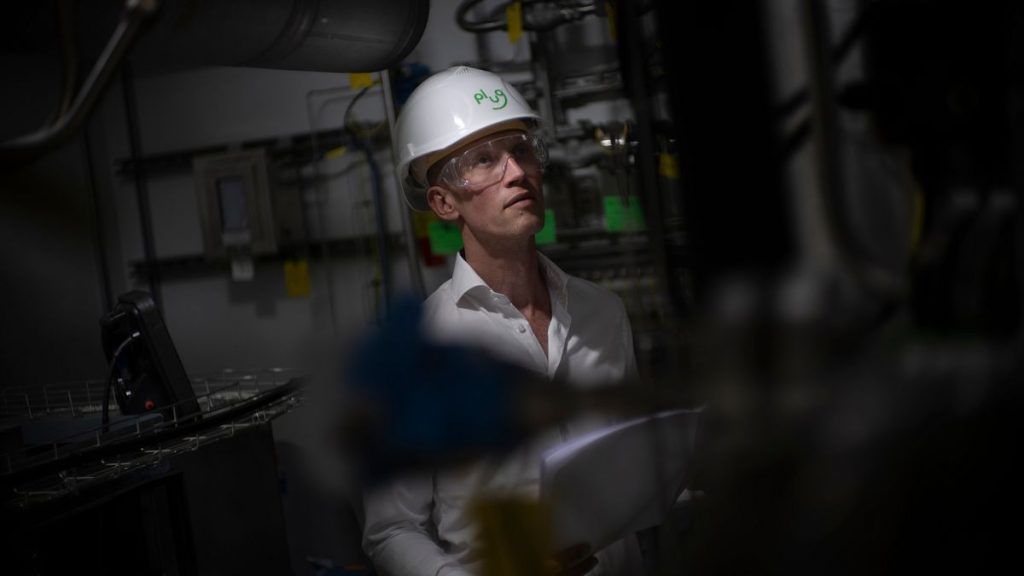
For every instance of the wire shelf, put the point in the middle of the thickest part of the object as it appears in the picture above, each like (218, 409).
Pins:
(229, 400)
(85, 397)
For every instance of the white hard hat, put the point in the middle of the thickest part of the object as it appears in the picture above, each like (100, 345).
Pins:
(444, 110)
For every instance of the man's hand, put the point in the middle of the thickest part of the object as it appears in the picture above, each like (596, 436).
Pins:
(572, 561)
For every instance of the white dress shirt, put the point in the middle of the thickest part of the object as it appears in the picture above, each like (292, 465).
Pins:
(420, 525)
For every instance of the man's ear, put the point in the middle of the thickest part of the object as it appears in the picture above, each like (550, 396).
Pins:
(442, 203)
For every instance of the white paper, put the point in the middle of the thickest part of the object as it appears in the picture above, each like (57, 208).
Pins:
(614, 481)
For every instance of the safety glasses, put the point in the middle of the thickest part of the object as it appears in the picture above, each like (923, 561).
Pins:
(485, 163)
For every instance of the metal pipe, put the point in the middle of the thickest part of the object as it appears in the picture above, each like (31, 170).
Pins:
(415, 272)
(635, 78)
(69, 55)
(99, 235)
(141, 188)
(30, 146)
(320, 201)
(826, 136)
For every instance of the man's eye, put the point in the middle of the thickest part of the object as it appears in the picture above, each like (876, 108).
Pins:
(521, 151)
(482, 160)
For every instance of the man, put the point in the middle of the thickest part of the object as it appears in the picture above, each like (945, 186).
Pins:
(466, 151)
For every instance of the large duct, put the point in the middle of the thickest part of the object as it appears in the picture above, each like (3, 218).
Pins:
(316, 35)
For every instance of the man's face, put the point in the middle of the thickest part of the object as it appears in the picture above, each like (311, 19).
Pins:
(494, 184)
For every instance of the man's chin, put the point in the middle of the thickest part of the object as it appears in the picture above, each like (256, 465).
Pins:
(526, 226)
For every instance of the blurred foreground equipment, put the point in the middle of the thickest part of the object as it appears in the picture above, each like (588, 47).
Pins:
(858, 266)
(415, 403)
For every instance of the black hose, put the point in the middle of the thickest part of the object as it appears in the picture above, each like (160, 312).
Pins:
(105, 414)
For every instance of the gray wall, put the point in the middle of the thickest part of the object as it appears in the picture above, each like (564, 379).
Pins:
(50, 281)
(217, 322)
(50, 287)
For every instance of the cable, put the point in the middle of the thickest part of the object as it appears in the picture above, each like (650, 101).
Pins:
(351, 126)
(361, 141)
(378, 212)
(105, 418)
(347, 117)
(325, 248)
(319, 180)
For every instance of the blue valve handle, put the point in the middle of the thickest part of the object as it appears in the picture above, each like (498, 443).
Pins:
(430, 403)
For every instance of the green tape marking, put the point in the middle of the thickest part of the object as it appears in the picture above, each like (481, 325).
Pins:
(619, 217)
(547, 233)
(444, 238)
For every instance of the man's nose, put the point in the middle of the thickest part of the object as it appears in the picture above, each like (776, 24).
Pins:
(513, 171)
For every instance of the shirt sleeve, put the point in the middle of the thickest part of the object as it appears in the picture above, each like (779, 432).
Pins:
(397, 535)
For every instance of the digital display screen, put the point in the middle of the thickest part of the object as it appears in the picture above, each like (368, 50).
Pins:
(234, 214)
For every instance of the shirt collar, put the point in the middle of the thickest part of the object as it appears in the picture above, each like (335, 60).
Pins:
(558, 280)
(465, 279)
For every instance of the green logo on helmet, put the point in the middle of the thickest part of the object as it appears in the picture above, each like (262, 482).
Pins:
(499, 96)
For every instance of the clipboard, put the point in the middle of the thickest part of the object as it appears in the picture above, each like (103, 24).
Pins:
(609, 483)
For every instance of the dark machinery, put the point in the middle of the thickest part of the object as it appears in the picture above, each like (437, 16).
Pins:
(146, 373)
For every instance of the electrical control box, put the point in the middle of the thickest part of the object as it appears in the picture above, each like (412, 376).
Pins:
(147, 372)
(233, 194)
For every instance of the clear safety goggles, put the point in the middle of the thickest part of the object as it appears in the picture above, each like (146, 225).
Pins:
(485, 163)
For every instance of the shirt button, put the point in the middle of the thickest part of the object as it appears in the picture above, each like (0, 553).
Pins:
(522, 329)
